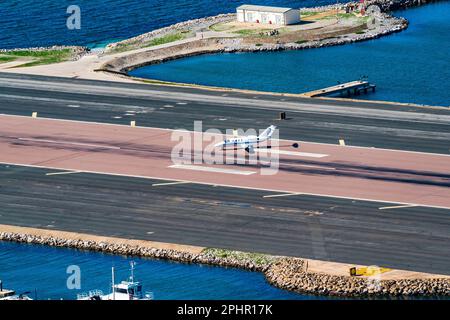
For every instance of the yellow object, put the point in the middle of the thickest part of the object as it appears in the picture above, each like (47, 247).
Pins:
(368, 271)
(133, 123)
(342, 142)
(34, 115)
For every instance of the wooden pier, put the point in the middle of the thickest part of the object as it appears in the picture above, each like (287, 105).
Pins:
(348, 89)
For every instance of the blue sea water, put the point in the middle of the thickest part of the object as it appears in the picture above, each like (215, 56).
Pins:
(25, 267)
(30, 23)
(411, 66)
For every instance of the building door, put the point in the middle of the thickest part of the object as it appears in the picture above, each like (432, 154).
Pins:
(250, 17)
(264, 18)
(278, 19)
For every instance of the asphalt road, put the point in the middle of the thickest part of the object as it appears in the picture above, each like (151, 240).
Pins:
(312, 227)
(360, 124)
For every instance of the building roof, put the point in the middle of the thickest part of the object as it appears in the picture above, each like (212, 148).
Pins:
(264, 8)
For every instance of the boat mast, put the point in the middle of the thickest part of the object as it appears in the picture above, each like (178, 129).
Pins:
(112, 281)
(132, 264)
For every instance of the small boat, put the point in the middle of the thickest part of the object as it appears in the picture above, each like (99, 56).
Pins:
(125, 290)
(11, 294)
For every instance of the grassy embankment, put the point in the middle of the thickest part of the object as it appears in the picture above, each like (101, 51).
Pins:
(35, 58)
(168, 38)
(257, 258)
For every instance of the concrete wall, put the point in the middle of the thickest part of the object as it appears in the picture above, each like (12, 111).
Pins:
(261, 17)
(292, 16)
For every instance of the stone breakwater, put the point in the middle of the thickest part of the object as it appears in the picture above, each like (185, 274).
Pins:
(140, 251)
(291, 274)
(191, 26)
(132, 61)
(388, 26)
(390, 5)
(283, 272)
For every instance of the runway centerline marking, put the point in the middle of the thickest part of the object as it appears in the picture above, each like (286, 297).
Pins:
(211, 169)
(225, 185)
(70, 143)
(399, 207)
(60, 173)
(170, 183)
(294, 153)
(281, 195)
(184, 130)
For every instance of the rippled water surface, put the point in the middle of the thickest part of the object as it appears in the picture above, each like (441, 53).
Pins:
(29, 23)
(28, 267)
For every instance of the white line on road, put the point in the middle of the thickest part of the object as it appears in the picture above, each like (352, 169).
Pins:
(170, 183)
(281, 195)
(224, 185)
(59, 173)
(298, 154)
(398, 207)
(184, 130)
(71, 143)
(211, 169)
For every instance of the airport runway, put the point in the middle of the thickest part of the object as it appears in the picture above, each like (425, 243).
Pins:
(398, 219)
(317, 169)
(413, 238)
(366, 124)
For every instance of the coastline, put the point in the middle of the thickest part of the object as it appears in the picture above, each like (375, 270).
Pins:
(290, 273)
(107, 64)
(223, 43)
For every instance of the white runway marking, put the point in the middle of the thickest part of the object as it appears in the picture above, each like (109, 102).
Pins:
(226, 185)
(294, 153)
(211, 169)
(170, 183)
(281, 195)
(398, 207)
(71, 143)
(59, 173)
(184, 130)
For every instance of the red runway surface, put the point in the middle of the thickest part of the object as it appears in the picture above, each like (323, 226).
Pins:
(329, 170)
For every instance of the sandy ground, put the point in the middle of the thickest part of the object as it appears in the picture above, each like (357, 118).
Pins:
(343, 269)
(84, 67)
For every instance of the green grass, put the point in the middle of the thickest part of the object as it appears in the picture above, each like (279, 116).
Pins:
(41, 57)
(339, 15)
(257, 258)
(165, 39)
(301, 41)
(219, 27)
(122, 47)
(307, 13)
(4, 59)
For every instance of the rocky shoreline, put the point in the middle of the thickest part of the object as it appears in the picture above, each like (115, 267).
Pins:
(283, 272)
(124, 64)
(291, 274)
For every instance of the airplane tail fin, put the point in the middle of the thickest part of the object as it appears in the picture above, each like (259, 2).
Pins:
(267, 134)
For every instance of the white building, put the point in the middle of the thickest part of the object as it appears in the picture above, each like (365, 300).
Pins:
(268, 15)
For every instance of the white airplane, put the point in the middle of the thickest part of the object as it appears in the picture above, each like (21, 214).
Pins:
(248, 142)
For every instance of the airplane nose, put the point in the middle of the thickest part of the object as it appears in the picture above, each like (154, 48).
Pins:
(220, 144)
